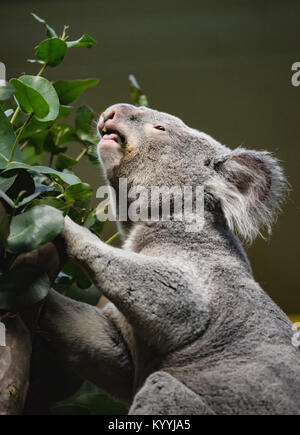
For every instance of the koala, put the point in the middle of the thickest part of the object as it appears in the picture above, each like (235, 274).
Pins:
(187, 329)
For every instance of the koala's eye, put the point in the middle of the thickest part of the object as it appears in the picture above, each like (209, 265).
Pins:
(160, 127)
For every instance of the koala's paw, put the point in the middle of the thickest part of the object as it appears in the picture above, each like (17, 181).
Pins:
(76, 238)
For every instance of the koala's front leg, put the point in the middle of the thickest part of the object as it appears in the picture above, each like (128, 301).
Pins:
(156, 297)
(89, 340)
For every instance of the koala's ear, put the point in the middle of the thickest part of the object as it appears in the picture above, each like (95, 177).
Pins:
(250, 186)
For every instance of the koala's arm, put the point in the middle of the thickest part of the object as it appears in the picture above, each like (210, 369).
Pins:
(90, 341)
(156, 297)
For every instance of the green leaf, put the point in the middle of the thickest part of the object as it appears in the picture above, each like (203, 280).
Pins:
(51, 51)
(52, 202)
(7, 180)
(93, 400)
(30, 100)
(77, 192)
(6, 90)
(68, 91)
(23, 183)
(40, 62)
(78, 274)
(37, 141)
(36, 95)
(50, 32)
(31, 156)
(33, 228)
(7, 140)
(83, 122)
(101, 404)
(50, 146)
(84, 41)
(93, 224)
(4, 227)
(63, 133)
(35, 127)
(64, 111)
(136, 94)
(38, 191)
(64, 162)
(23, 286)
(90, 295)
(20, 190)
(7, 199)
(64, 177)
(93, 155)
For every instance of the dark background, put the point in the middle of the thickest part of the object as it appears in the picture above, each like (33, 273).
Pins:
(222, 66)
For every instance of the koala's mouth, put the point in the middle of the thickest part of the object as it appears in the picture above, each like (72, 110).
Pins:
(114, 135)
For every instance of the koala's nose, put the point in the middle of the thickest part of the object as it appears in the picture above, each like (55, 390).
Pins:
(114, 112)
(105, 116)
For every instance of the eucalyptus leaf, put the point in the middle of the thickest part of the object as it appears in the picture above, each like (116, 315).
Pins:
(51, 147)
(89, 295)
(35, 127)
(64, 111)
(83, 122)
(51, 51)
(7, 199)
(77, 192)
(40, 62)
(7, 140)
(136, 94)
(63, 133)
(93, 224)
(84, 41)
(66, 178)
(31, 156)
(68, 91)
(36, 95)
(38, 191)
(4, 226)
(50, 32)
(7, 180)
(23, 183)
(23, 286)
(33, 228)
(30, 100)
(93, 155)
(101, 404)
(64, 162)
(78, 274)
(53, 202)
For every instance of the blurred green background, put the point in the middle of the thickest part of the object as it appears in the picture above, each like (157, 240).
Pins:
(224, 67)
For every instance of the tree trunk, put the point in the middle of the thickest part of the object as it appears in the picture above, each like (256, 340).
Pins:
(15, 356)
(14, 366)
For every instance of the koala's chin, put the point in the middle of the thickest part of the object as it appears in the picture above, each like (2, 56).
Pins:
(110, 154)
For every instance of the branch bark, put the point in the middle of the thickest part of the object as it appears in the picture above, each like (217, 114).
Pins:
(15, 356)
(14, 366)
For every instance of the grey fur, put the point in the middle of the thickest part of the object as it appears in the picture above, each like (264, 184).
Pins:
(187, 329)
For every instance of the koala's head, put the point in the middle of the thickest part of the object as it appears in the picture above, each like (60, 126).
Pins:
(152, 148)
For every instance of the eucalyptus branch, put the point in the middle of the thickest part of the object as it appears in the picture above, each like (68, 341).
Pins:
(18, 137)
(112, 238)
